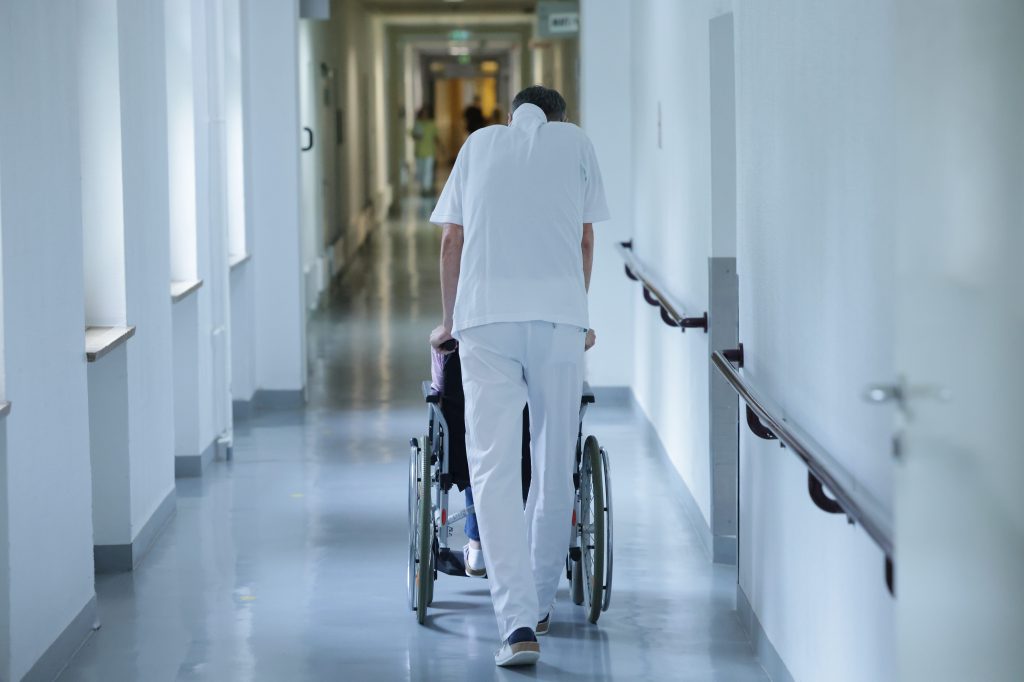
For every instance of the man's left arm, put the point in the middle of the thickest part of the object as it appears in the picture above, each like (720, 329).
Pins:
(588, 252)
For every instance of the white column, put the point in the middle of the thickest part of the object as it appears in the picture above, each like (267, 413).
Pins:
(46, 581)
(144, 131)
(270, 78)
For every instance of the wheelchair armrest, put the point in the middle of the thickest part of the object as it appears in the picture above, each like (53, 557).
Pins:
(429, 395)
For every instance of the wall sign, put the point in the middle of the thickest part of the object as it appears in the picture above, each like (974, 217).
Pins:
(558, 19)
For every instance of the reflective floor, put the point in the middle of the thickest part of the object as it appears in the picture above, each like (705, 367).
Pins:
(289, 562)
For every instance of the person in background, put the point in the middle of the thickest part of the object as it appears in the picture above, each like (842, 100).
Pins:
(474, 117)
(427, 146)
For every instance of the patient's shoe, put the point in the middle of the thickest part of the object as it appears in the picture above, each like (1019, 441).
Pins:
(521, 648)
(474, 562)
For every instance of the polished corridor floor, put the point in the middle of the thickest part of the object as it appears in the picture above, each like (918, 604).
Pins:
(289, 562)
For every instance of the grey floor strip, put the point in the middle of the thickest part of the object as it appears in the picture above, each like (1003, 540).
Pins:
(122, 558)
(766, 653)
(265, 399)
(241, 410)
(613, 395)
(192, 466)
(57, 656)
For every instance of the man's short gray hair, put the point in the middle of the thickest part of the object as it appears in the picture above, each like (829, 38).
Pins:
(549, 100)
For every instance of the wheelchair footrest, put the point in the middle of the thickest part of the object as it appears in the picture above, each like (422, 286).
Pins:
(450, 562)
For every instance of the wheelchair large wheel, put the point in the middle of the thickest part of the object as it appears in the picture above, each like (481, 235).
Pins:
(424, 536)
(594, 530)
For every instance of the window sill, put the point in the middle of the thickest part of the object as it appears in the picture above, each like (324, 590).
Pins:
(5, 408)
(237, 259)
(101, 340)
(182, 288)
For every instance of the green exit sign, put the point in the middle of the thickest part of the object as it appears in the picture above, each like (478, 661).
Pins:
(459, 34)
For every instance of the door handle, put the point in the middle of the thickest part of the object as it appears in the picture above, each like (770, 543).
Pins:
(904, 394)
(307, 147)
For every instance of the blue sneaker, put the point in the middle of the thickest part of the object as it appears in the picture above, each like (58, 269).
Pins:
(521, 648)
(544, 625)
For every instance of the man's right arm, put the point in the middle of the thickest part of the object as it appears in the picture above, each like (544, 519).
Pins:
(451, 264)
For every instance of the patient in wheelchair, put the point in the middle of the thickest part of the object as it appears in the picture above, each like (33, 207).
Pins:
(446, 381)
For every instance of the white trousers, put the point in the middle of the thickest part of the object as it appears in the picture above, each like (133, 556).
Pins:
(504, 366)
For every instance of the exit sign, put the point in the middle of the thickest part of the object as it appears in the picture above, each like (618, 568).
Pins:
(558, 19)
(564, 23)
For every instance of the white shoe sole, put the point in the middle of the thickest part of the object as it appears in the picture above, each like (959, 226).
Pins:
(523, 653)
(470, 571)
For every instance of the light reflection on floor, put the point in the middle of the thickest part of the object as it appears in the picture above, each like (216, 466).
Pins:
(289, 563)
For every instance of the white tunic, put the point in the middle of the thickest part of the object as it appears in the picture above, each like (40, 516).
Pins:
(521, 194)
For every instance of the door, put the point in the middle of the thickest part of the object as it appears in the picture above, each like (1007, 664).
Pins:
(959, 330)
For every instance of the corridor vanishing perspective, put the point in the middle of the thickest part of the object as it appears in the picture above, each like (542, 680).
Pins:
(795, 228)
(288, 562)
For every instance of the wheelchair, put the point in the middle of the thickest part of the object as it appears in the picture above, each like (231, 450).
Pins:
(432, 460)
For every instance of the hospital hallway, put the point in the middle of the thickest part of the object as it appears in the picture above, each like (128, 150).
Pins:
(219, 279)
(288, 562)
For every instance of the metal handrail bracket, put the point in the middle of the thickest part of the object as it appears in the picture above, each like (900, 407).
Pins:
(848, 495)
(655, 295)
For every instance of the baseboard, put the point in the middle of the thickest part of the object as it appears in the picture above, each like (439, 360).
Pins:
(241, 410)
(192, 466)
(266, 399)
(766, 653)
(57, 655)
(616, 396)
(122, 558)
(724, 549)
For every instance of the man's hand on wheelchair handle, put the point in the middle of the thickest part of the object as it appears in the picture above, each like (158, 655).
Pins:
(439, 336)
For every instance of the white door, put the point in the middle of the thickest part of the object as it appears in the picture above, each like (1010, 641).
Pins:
(959, 328)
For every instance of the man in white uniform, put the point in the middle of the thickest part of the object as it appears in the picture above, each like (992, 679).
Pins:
(516, 255)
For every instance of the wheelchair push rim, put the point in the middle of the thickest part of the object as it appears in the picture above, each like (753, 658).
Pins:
(421, 568)
(410, 576)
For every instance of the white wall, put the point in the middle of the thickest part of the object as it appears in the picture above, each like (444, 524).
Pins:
(48, 512)
(671, 224)
(606, 110)
(234, 132)
(102, 193)
(343, 43)
(813, 268)
(181, 139)
(815, 274)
